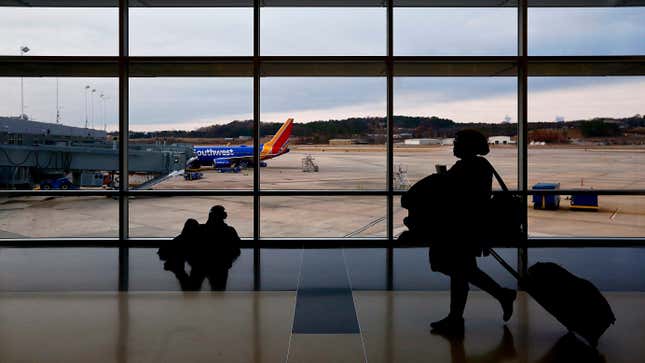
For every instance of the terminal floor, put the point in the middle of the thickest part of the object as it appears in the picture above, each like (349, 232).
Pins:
(260, 327)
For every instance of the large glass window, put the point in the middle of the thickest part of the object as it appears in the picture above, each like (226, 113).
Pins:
(586, 31)
(323, 31)
(584, 134)
(58, 31)
(455, 31)
(59, 134)
(191, 133)
(338, 135)
(165, 216)
(429, 111)
(191, 31)
(328, 217)
(197, 93)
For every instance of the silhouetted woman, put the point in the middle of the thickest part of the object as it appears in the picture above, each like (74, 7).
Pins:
(175, 252)
(456, 248)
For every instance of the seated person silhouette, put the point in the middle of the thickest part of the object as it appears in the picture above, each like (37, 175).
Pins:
(174, 252)
(209, 249)
(452, 213)
(214, 252)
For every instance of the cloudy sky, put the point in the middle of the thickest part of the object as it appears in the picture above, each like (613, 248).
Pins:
(187, 103)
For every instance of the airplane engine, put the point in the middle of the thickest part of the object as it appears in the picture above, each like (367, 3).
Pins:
(193, 163)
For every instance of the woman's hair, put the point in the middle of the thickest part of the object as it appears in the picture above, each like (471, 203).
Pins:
(470, 143)
(191, 226)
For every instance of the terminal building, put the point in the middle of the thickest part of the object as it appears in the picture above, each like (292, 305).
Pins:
(112, 251)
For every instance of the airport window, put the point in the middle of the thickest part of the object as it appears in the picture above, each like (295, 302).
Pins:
(322, 217)
(589, 142)
(598, 31)
(375, 93)
(195, 122)
(59, 133)
(339, 133)
(191, 31)
(61, 31)
(164, 216)
(455, 31)
(60, 217)
(323, 31)
(429, 111)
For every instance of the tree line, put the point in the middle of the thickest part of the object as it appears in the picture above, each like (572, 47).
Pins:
(413, 126)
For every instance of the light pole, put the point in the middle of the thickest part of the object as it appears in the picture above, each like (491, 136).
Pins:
(23, 49)
(57, 104)
(102, 96)
(92, 113)
(87, 88)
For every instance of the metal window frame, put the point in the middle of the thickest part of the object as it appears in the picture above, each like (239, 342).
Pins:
(123, 66)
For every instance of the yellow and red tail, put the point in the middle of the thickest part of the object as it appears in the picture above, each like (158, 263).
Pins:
(279, 142)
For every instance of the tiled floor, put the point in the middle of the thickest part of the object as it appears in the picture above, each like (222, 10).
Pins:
(259, 327)
(326, 314)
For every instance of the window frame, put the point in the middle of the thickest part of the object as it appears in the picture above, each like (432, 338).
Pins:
(123, 66)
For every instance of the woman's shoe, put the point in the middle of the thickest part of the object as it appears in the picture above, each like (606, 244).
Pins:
(507, 300)
(448, 326)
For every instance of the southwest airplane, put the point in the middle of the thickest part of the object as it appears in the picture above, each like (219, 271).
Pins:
(242, 155)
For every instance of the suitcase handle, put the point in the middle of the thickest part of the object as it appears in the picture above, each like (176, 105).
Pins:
(504, 264)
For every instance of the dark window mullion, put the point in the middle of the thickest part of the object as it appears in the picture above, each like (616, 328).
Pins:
(256, 144)
(390, 144)
(124, 263)
(522, 122)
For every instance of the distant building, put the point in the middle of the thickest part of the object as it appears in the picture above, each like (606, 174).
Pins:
(15, 130)
(244, 138)
(500, 140)
(422, 142)
(448, 141)
(342, 141)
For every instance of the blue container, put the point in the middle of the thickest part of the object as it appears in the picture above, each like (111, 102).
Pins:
(546, 201)
(584, 202)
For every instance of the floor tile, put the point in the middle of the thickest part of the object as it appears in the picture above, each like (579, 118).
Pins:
(337, 348)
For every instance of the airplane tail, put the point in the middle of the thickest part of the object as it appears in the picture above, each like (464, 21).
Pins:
(280, 141)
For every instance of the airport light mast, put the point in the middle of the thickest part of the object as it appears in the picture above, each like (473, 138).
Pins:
(57, 104)
(23, 50)
(87, 88)
(92, 113)
(103, 98)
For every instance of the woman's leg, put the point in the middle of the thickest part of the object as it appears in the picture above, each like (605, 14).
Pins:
(458, 294)
(481, 279)
(506, 297)
(453, 324)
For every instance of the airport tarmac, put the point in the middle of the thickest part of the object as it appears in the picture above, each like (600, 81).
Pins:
(353, 167)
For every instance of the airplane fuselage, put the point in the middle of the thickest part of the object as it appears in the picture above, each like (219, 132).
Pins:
(225, 156)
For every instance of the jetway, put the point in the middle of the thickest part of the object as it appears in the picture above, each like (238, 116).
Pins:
(154, 159)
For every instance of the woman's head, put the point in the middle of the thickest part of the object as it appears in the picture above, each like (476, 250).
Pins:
(469, 143)
(190, 227)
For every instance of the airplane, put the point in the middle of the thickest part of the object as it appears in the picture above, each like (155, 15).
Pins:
(221, 156)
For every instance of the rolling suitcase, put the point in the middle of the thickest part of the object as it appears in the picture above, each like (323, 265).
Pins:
(574, 302)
